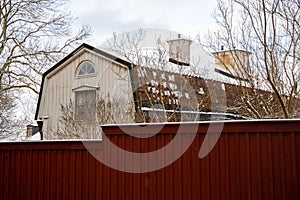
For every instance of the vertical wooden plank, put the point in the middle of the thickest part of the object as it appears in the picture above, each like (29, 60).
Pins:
(129, 189)
(57, 102)
(254, 154)
(177, 172)
(259, 167)
(214, 172)
(144, 177)
(145, 182)
(5, 179)
(78, 174)
(195, 168)
(136, 187)
(186, 170)
(113, 173)
(204, 175)
(160, 174)
(227, 164)
(64, 81)
(233, 173)
(224, 168)
(270, 166)
(121, 182)
(35, 171)
(68, 85)
(152, 190)
(287, 151)
(59, 171)
(237, 163)
(66, 169)
(55, 107)
(295, 176)
(267, 182)
(72, 178)
(46, 173)
(106, 178)
(243, 166)
(18, 164)
(277, 156)
(297, 160)
(248, 164)
(264, 166)
(41, 179)
(28, 172)
(2, 169)
(60, 88)
(50, 109)
(169, 175)
(23, 172)
(11, 174)
(99, 176)
(91, 175)
(52, 173)
(85, 175)
(252, 163)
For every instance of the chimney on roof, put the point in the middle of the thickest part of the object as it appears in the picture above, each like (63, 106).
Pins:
(179, 50)
(231, 61)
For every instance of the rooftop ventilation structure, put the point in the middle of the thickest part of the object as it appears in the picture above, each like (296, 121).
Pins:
(180, 51)
(232, 62)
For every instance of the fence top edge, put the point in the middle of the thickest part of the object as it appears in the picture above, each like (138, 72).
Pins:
(50, 144)
(207, 122)
(228, 126)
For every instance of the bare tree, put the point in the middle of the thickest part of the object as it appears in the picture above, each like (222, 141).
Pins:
(33, 36)
(7, 107)
(270, 31)
(109, 110)
(161, 90)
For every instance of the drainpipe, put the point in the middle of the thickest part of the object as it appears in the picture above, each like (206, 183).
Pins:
(40, 125)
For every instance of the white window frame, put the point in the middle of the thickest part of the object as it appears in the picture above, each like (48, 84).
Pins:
(81, 65)
(88, 90)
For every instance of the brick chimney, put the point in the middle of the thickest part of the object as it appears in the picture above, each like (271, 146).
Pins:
(32, 130)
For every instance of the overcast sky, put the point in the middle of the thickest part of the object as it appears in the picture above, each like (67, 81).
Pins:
(108, 16)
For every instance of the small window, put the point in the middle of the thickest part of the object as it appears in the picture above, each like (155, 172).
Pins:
(85, 102)
(86, 68)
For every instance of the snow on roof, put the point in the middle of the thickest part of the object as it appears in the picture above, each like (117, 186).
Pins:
(149, 42)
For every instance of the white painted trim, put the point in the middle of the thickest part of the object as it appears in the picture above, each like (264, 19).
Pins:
(81, 51)
(85, 87)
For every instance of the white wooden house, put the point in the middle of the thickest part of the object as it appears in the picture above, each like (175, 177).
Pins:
(79, 79)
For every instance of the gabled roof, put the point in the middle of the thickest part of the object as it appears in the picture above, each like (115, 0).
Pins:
(65, 59)
(91, 48)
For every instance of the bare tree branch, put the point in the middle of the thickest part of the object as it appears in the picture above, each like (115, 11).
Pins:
(34, 34)
(270, 31)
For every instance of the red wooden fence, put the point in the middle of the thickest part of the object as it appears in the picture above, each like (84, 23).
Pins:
(252, 160)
